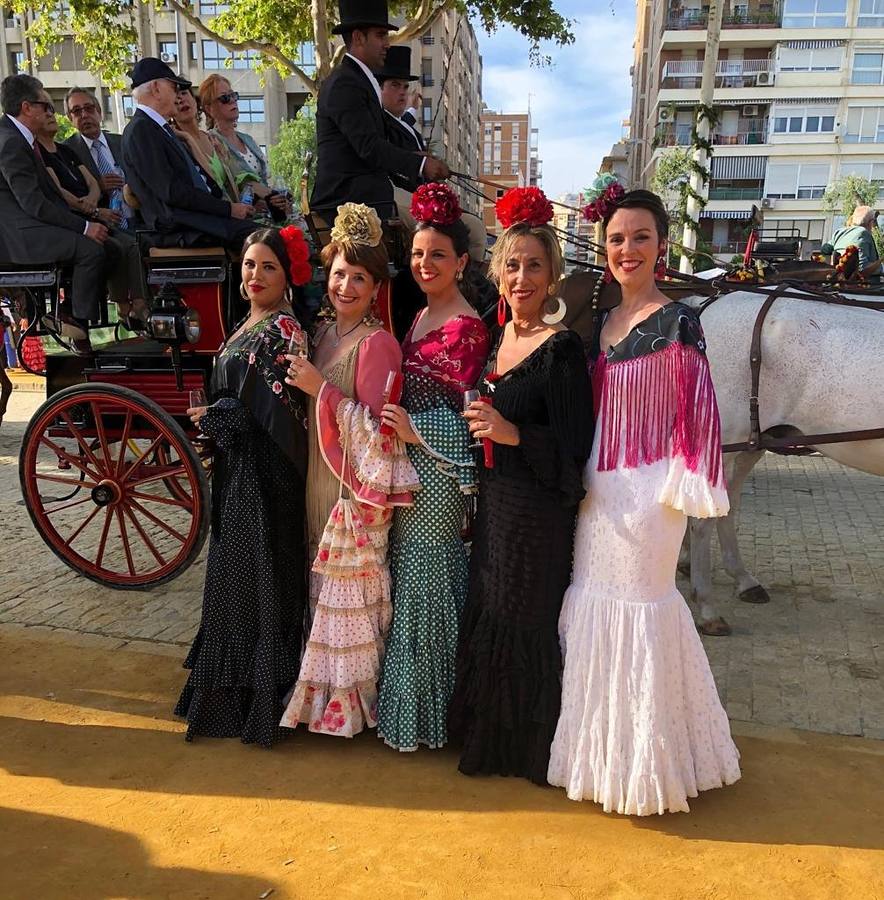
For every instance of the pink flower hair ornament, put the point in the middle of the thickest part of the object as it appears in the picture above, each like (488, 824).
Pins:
(435, 204)
(604, 195)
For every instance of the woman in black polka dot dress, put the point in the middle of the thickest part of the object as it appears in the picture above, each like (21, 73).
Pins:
(245, 656)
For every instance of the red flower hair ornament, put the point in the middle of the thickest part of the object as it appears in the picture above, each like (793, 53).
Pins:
(604, 195)
(523, 206)
(300, 270)
(435, 204)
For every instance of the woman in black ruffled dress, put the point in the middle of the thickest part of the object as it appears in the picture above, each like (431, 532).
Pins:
(245, 656)
(540, 424)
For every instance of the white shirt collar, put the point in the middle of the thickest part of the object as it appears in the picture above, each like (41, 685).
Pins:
(101, 139)
(26, 132)
(150, 111)
(368, 74)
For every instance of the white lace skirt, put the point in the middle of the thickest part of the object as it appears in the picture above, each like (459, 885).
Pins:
(641, 727)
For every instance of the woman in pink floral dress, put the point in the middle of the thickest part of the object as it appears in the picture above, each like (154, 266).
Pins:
(349, 458)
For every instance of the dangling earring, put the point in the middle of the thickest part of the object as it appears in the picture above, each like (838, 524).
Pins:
(459, 275)
(287, 295)
(556, 316)
(501, 311)
(326, 310)
(242, 292)
(372, 318)
(607, 275)
(660, 268)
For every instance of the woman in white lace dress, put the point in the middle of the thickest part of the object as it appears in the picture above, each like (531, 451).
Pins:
(641, 727)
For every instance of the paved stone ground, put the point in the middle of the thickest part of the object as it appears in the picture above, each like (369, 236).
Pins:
(811, 531)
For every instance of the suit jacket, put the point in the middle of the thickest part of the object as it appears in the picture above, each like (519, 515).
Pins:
(29, 202)
(355, 159)
(84, 154)
(401, 136)
(162, 176)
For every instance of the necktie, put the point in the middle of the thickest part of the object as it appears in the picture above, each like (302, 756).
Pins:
(106, 167)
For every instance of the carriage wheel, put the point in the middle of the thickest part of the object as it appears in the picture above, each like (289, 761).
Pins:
(125, 528)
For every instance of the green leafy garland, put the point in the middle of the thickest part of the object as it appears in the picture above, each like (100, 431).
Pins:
(700, 143)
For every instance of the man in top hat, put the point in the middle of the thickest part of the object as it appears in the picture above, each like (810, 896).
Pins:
(356, 159)
(174, 198)
(402, 130)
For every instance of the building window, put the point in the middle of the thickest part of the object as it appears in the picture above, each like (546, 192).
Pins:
(213, 9)
(427, 71)
(216, 57)
(790, 181)
(871, 14)
(168, 51)
(428, 112)
(865, 125)
(874, 171)
(820, 59)
(193, 51)
(128, 106)
(428, 39)
(815, 14)
(17, 62)
(251, 109)
(867, 68)
(804, 120)
(306, 57)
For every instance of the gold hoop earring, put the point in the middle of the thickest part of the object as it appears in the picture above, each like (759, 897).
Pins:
(288, 295)
(242, 292)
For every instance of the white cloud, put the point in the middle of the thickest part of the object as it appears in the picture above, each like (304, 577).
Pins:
(577, 103)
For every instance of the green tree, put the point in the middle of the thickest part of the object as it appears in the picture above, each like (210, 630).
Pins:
(296, 137)
(845, 194)
(65, 128)
(108, 29)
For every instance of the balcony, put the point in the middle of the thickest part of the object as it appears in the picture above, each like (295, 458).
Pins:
(687, 18)
(728, 73)
(739, 16)
(672, 136)
(722, 193)
(750, 131)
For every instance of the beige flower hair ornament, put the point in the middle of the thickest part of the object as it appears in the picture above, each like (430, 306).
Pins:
(358, 225)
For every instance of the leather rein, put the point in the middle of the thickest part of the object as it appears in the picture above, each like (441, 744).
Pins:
(758, 440)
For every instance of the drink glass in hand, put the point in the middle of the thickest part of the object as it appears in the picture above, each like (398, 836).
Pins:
(468, 398)
(198, 398)
(392, 394)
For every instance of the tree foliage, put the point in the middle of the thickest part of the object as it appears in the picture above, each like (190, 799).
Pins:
(845, 194)
(296, 137)
(275, 29)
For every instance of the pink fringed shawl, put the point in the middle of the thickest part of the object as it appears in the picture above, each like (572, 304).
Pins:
(658, 406)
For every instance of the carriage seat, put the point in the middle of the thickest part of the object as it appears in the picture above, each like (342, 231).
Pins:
(28, 275)
(186, 265)
(788, 248)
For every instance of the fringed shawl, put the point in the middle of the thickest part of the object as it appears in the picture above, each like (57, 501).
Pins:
(655, 400)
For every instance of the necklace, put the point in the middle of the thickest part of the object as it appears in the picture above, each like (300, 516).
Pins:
(339, 337)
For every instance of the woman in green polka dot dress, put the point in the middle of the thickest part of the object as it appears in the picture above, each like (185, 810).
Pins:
(444, 354)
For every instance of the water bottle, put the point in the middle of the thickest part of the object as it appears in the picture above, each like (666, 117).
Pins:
(117, 203)
(248, 194)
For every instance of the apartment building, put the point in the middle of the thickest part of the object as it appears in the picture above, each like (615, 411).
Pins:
(573, 231)
(166, 34)
(450, 67)
(510, 157)
(799, 94)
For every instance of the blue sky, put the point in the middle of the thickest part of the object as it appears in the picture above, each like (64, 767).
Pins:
(579, 101)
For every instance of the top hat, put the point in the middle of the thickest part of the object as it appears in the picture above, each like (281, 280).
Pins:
(397, 64)
(150, 69)
(363, 14)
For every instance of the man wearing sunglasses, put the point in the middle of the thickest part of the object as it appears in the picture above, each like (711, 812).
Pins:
(100, 151)
(174, 198)
(36, 225)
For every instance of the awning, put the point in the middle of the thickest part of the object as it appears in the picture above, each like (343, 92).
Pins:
(739, 167)
(725, 213)
(812, 45)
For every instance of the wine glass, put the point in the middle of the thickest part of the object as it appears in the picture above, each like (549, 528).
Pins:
(198, 398)
(468, 398)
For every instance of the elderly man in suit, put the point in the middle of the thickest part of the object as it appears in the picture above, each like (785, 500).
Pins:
(174, 198)
(356, 160)
(36, 225)
(100, 151)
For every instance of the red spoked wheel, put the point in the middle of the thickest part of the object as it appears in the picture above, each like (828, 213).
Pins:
(141, 514)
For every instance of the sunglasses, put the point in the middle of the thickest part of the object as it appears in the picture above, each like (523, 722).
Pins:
(229, 97)
(44, 103)
(79, 110)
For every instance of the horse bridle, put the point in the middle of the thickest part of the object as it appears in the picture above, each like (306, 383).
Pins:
(757, 440)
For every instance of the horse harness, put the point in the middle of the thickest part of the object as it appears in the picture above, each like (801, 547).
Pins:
(758, 440)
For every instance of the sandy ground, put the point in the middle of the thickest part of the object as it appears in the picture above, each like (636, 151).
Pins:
(100, 797)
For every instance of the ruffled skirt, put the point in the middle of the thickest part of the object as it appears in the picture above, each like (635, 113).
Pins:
(641, 727)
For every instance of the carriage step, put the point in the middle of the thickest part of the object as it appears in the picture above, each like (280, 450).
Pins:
(29, 278)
